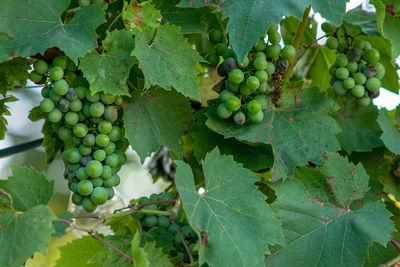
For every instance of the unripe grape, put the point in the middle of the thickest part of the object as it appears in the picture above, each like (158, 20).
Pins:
(107, 99)
(352, 66)
(89, 140)
(110, 113)
(270, 69)
(261, 75)
(358, 43)
(46, 105)
(371, 55)
(274, 38)
(88, 204)
(97, 181)
(64, 133)
(245, 62)
(107, 172)
(85, 187)
(359, 78)
(288, 52)
(272, 28)
(342, 73)
(245, 90)
(236, 76)
(327, 27)
(75, 105)
(102, 140)
(239, 118)
(260, 63)
(97, 109)
(55, 116)
(260, 45)
(373, 84)
(77, 199)
(260, 54)
(233, 103)
(367, 46)
(71, 118)
(94, 168)
(115, 134)
(223, 111)
(215, 36)
(332, 43)
(380, 70)
(341, 60)
(273, 51)
(338, 88)
(92, 98)
(80, 130)
(364, 101)
(81, 174)
(114, 180)
(253, 106)
(262, 88)
(110, 192)
(163, 222)
(213, 59)
(219, 48)
(61, 87)
(348, 83)
(110, 148)
(99, 155)
(45, 91)
(56, 73)
(232, 86)
(262, 100)
(256, 117)
(99, 195)
(252, 83)
(85, 150)
(228, 53)
(60, 61)
(358, 91)
(40, 66)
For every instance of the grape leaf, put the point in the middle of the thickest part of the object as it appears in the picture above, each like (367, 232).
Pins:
(28, 188)
(108, 257)
(250, 19)
(31, 27)
(148, 256)
(390, 136)
(79, 252)
(253, 157)
(365, 21)
(167, 60)
(107, 72)
(12, 71)
(139, 16)
(23, 234)
(59, 227)
(4, 111)
(5, 201)
(123, 225)
(320, 228)
(157, 118)
(190, 20)
(233, 213)
(51, 142)
(361, 132)
(299, 131)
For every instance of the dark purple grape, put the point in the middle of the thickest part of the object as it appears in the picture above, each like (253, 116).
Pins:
(63, 105)
(85, 160)
(369, 71)
(374, 94)
(354, 54)
(282, 65)
(71, 95)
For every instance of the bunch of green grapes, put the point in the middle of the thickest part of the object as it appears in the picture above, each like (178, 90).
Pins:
(91, 129)
(248, 83)
(159, 228)
(357, 71)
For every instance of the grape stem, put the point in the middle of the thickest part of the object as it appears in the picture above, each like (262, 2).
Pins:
(391, 262)
(20, 148)
(91, 233)
(131, 85)
(395, 243)
(297, 41)
(183, 240)
(115, 20)
(157, 212)
(141, 206)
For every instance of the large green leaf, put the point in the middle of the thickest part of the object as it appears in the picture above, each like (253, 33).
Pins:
(108, 257)
(157, 118)
(300, 130)
(31, 27)
(23, 234)
(390, 136)
(28, 188)
(233, 213)
(360, 132)
(3, 112)
(107, 72)
(148, 256)
(320, 228)
(12, 71)
(366, 21)
(250, 19)
(79, 252)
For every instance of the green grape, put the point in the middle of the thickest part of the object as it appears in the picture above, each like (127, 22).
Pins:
(71, 118)
(73, 155)
(260, 63)
(245, 62)
(256, 117)
(288, 52)
(373, 84)
(64, 133)
(150, 221)
(80, 130)
(94, 168)
(112, 160)
(81, 174)
(358, 43)
(75, 105)
(261, 75)
(223, 111)
(273, 51)
(110, 148)
(88, 204)
(46, 105)
(98, 2)
(76, 140)
(253, 106)
(262, 100)
(358, 91)
(233, 103)
(342, 73)
(77, 199)
(70, 76)
(60, 87)
(272, 28)
(86, 109)
(380, 70)
(262, 88)
(143, 200)
(260, 45)
(63, 105)
(96, 120)
(73, 187)
(219, 48)
(274, 38)
(232, 86)
(364, 101)
(45, 91)
(228, 53)
(352, 66)
(371, 55)
(327, 27)
(60, 61)
(89, 140)
(99, 195)
(97, 109)
(239, 118)
(332, 70)
(118, 100)
(341, 60)
(55, 97)
(215, 36)
(213, 59)
(359, 78)
(106, 173)
(154, 197)
(354, 54)
(84, 3)
(85, 187)
(332, 43)
(111, 113)
(97, 182)
(115, 134)
(56, 73)
(252, 82)
(367, 46)
(110, 192)
(102, 140)
(245, 90)
(107, 99)
(81, 92)
(163, 222)
(99, 155)
(236, 76)
(270, 69)
(85, 150)
(114, 180)
(260, 54)
(104, 127)
(72, 168)
(338, 88)
(166, 196)
(55, 116)
(40, 66)
(92, 98)
(348, 83)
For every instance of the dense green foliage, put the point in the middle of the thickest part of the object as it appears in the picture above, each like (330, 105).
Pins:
(275, 152)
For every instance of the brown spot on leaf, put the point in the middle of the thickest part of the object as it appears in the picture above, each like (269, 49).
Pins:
(137, 20)
(10, 37)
